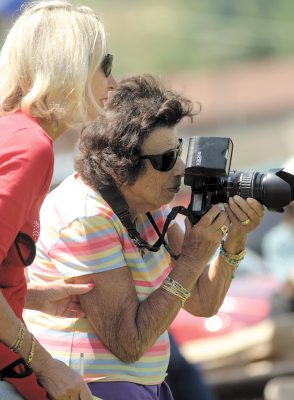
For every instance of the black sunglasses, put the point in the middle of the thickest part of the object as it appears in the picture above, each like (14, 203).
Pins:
(166, 161)
(106, 64)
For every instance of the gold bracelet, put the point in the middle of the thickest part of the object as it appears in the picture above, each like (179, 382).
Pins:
(175, 288)
(18, 342)
(232, 259)
(169, 290)
(176, 285)
(29, 360)
(17, 336)
(238, 257)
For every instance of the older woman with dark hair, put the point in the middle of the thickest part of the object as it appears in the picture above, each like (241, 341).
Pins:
(133, 150)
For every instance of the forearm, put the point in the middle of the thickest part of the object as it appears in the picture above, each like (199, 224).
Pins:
(161, 307)
(132, 338)
(132, 330)
(131, 333)
(211, 288)
(10, 324)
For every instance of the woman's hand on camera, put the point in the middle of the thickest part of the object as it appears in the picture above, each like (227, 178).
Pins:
(244, 215)
(202, 240)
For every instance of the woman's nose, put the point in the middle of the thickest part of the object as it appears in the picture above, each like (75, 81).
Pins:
(179, 168)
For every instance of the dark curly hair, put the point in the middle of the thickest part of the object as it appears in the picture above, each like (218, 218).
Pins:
(110, 147)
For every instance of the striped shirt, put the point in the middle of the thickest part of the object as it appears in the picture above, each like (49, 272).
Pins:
(80, 235)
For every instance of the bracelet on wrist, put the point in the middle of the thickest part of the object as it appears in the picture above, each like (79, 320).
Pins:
(29, 360)
(231, 259)
(175, 288)
(18, 342)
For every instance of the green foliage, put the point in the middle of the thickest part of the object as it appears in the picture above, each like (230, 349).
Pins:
(162, 36)
(171, 35)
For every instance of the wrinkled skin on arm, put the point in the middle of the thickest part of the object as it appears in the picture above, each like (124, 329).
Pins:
(128, 327)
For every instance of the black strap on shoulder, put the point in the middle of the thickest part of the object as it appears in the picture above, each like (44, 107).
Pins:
(118, 204)
(171, 216)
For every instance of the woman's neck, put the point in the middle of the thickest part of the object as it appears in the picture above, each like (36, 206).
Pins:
(53, 132)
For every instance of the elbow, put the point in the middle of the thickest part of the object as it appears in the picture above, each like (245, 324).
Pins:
(127, 351)
(208, 311)
(129, 355)
(127, 347)
(211, 307)
(211, 310)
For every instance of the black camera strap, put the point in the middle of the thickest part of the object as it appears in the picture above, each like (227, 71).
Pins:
(120, 207)
(118, 204)
(171, 216)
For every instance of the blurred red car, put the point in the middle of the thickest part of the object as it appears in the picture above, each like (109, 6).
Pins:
(247, 301)
(243, 346)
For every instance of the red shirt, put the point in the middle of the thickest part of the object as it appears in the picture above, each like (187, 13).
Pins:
(26, 167)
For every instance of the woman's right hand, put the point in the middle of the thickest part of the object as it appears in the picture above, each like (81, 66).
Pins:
(62, 383)
(202, 240)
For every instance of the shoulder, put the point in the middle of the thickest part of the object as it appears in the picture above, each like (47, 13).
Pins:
(21, 136)
(73, 203)
(18, 123)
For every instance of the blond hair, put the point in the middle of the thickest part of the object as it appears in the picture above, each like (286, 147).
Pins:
(48, 61)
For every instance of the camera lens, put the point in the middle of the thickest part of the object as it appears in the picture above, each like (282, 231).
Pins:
(272, 189)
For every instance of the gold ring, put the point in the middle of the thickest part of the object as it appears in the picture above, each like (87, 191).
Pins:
(224, 229)
(246, 222)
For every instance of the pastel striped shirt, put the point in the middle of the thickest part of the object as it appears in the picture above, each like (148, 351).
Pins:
(80, 235)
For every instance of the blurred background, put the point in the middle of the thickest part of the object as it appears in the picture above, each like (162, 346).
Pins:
(235, 58)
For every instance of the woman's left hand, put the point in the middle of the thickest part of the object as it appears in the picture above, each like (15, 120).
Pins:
(245, 215)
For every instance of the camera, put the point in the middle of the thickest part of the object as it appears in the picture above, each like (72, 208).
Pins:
(208, 173)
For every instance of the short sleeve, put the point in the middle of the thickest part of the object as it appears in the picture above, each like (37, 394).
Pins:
(88, 245)
(25, 172)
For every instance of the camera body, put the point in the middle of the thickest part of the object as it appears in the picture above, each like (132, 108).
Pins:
(208, 174)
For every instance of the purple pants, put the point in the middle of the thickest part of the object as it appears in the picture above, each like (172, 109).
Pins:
(130, 391)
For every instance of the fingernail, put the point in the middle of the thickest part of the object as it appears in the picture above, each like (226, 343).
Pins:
(91, 285)
(249, 200)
